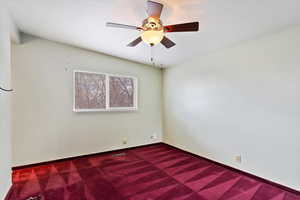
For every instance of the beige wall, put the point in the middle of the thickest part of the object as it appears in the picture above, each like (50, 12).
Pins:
(46, 128)
(242, 100)
(5, 104)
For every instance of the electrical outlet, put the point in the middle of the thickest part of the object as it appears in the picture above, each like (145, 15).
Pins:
(124, 141)
(238, 159)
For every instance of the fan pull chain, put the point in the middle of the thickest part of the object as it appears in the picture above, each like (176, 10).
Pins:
(151, 55)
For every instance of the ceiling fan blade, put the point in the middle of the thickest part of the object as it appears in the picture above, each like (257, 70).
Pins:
(167, 42)
(193, 26)
(116, 25)
(154, 9)
(135, 42)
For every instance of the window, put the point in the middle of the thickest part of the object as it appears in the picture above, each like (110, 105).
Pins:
(104, 92)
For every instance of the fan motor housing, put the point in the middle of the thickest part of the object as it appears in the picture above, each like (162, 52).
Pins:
(152, 24)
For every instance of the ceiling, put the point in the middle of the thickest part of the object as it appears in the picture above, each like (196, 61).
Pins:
(222, 23)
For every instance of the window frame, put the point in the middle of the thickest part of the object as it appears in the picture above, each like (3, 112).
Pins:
(107, 94)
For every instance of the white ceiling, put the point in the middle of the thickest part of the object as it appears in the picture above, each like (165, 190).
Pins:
(222, 23)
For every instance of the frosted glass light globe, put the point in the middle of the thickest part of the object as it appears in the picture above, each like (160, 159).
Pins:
(152, 37)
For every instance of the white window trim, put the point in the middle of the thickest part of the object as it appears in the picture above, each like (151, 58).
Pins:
(107, 98)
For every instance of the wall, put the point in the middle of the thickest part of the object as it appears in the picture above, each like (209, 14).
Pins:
(5, 104)
(46, 128)
(242, 100)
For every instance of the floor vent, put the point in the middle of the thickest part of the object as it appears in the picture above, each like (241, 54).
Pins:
(35, 198)
(119, 154)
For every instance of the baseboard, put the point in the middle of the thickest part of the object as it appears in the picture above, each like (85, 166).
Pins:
(283, 187)
(80, 156)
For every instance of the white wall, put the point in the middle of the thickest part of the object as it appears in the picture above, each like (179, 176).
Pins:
(242, 100)
(5, 104)
(46, 128)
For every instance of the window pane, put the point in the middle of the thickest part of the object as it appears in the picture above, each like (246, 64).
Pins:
(121, 92)
(90, 91)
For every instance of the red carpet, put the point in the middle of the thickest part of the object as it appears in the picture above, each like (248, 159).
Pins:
(157, 172)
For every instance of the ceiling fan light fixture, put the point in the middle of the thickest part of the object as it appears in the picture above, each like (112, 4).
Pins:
(152, 37)
(152, 29)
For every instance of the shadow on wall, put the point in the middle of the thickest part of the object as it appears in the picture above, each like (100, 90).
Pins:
(25, 38)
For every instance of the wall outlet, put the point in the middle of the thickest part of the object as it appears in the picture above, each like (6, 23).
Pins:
(238, 159)
(124, 141)
(153, 136)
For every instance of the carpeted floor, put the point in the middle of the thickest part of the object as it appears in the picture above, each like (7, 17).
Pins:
(157, 172)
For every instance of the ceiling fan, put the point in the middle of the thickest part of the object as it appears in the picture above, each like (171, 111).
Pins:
(152, 29)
